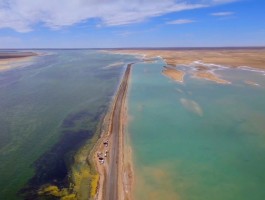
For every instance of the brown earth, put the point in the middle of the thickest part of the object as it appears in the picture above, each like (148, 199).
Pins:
(174, 74)
(210, 76)
(231, 57)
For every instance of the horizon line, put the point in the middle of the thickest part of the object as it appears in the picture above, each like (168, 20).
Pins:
(100, 48)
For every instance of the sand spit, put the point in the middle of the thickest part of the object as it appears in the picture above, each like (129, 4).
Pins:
(116, 174)
(210, 76)
(10, 60)
(174, 74)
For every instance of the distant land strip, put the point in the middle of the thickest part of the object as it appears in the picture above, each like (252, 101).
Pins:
(7, 55)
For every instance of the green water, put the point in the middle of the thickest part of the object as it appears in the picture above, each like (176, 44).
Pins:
(198, 140)
(48, 109)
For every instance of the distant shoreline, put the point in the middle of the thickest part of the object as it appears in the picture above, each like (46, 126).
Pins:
(8, 55)
(10, 60)
(227, 57)
(139, 48)
(202, 63)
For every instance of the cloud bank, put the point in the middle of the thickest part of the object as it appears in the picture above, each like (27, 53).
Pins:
(221, 14)
(181, 21)
(22, 15)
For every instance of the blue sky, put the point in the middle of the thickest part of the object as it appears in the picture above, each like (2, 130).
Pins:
(131, 23)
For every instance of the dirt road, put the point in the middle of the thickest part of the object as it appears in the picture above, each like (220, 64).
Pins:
(111, 191)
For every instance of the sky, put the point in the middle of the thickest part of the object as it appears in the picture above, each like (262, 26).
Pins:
(131, 23)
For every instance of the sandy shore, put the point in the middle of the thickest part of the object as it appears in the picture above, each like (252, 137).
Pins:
(116, 174)
(174, 74)
(15, 59)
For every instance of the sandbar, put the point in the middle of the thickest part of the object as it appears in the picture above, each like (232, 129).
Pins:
(174, 74)
(210, 76)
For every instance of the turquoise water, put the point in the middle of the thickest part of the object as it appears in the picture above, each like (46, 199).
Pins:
(48, 109)
(198, 140)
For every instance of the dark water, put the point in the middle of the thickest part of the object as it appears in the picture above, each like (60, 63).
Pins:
(48, 109)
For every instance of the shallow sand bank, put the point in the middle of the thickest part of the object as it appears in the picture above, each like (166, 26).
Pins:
(192, 106)
(210, 76)
(174, 74)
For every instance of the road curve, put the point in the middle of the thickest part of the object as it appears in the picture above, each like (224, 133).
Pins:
(112, 177)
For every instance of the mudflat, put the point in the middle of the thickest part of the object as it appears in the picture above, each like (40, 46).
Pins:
(202, 62)
(251, 57)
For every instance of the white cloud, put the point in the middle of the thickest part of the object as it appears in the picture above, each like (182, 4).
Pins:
(22, 15)
(181, 21)
(223, 1)
(221, 14)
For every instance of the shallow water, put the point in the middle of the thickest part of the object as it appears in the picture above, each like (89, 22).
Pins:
(198, 140)
(48, 109)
